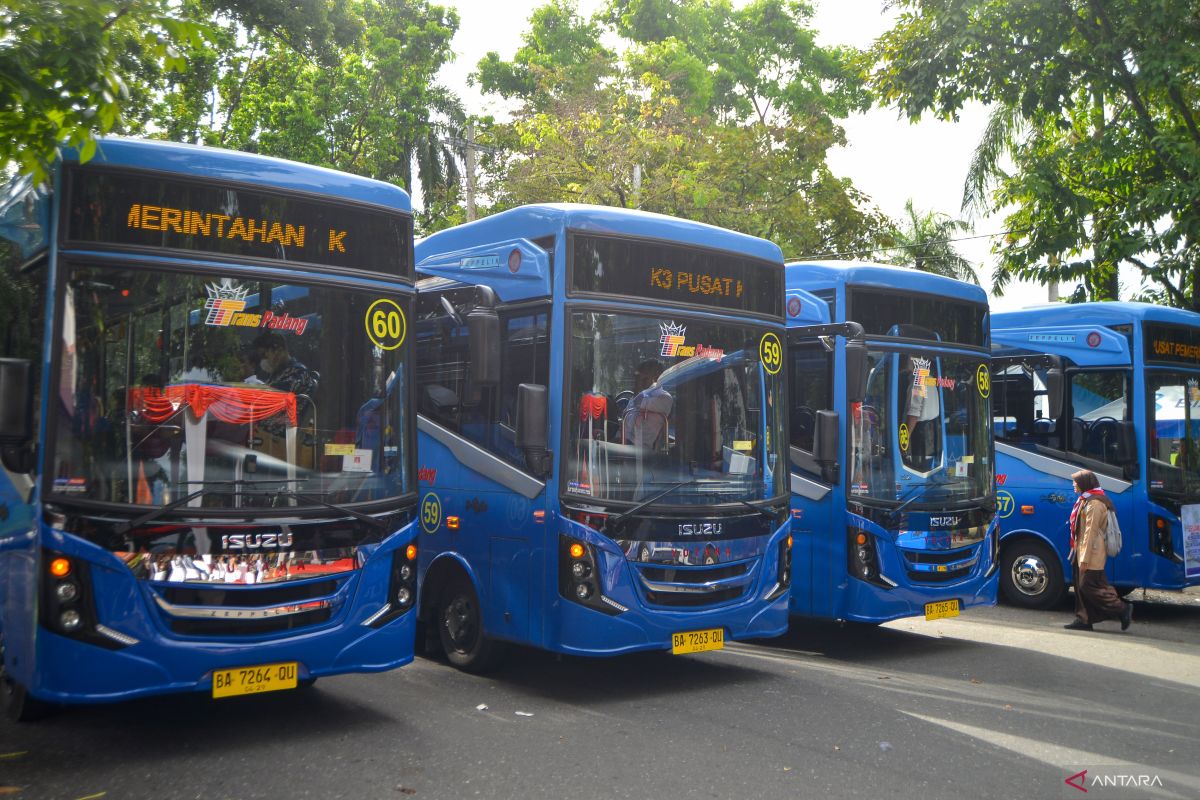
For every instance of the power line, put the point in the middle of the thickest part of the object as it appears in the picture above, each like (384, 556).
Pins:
(919, 245)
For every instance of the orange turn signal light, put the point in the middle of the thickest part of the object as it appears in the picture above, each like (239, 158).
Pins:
(411, 552)
(577, 550)
(60, 567)
(1160, 523)
(452, 523)
(1026, 510)
(789, 540)
(862, 538)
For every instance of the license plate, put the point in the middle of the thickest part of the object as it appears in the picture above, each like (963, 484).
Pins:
(697, 641)
(254, 680)
(941, 609)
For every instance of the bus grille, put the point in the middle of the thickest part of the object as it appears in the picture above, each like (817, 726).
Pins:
(251, 611)
(695, 587)
(939, 566)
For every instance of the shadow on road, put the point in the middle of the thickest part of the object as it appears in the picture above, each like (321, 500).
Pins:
(597, 681)
(857, 643)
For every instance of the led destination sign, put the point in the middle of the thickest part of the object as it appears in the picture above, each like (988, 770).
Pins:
(672, 273)
(135, 209)
(1170, 344)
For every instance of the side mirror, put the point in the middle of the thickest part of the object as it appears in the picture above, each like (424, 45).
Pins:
(856, 371)
(16, 401)
(532, 426)
(16, 415)
(1055, 382)
(483, 329)
(825, 444)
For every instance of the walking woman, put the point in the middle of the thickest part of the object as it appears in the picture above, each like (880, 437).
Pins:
(1095, 599)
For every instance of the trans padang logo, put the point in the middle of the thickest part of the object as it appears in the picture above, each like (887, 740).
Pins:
(672, 341)
(226, 306)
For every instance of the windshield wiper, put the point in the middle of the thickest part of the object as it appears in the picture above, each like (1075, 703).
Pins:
(649, 501)
(920, 491)
(766, 512)
(378, 524)
(150, 516)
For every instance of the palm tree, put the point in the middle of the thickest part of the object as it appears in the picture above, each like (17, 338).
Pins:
(925, 241)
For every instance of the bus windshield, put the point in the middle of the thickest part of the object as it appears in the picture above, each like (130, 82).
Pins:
(655, 403)
(1173, 404)
(248, 392)
(924, 423)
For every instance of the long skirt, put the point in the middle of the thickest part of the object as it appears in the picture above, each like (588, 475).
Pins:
(1095, 599)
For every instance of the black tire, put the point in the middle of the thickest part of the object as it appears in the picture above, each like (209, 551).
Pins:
(1031, 575)
(460, 628)
(15, 700)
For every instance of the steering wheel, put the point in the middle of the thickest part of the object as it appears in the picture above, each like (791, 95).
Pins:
(621, 401)
(1101, 434)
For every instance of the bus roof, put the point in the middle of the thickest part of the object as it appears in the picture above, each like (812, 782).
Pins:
(232, 165)
(817, 275)
(1052, 315)
(548, 219)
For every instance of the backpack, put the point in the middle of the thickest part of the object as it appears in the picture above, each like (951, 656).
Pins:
(1112, 534)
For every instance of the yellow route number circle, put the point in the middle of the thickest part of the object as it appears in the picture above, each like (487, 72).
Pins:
(386, 325)
(904, 436)
(431, 512)
(770, 352)
(983, 381)
(1005, 504)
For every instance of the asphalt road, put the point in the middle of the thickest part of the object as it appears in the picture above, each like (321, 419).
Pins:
(998, 703)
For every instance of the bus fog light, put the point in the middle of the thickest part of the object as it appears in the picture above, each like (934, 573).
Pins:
(403, 595)
(583, 591)
(406, 572)
(66, 592)
(581, 569)
(70, 620)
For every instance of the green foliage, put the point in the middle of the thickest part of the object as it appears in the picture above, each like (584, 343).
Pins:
(63, 70)
(351, 88)
(1096, 111)
(924, 241)
(711, 113)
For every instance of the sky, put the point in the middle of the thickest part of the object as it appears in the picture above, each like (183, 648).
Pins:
(886, 157)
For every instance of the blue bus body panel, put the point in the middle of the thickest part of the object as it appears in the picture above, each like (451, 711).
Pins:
(208, 163)
(817, 275)
(510, 522)
(823, 586)
(1034, 488)
(58, 668)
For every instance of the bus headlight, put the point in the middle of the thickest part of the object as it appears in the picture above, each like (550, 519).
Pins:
(863, 557)
(579, 578)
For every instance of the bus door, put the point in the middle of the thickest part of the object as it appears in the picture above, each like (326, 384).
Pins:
(818, 525)
(480, 494)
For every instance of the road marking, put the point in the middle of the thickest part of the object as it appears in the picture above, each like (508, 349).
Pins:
(1124, 653)
(1056, 755)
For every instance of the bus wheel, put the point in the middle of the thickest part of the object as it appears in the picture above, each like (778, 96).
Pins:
(15, 700)
(460, 624)
(1030, 575)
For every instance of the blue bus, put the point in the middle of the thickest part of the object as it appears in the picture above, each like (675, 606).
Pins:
(893, 501)
(601, 428)
(206, 427)
(1110, 387)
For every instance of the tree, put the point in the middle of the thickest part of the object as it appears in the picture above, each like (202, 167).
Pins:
(1100, 97)
(741, 145)
(62, 65)
(351, 86)
(925, 241)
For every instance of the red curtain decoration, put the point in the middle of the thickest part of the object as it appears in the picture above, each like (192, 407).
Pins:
(593, 406)
(236, 404)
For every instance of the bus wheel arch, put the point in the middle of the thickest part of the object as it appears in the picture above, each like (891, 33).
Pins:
(453, 617)
(1031, 572)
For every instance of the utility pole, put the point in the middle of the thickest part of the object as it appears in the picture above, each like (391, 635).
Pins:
(469, 148)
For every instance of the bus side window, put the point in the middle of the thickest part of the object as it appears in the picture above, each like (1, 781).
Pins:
(484, 414)
(22, 311)
(1020, 409)
(811, 390)
(1099, 404)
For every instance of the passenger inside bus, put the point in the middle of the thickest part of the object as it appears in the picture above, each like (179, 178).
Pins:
(644, 422)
